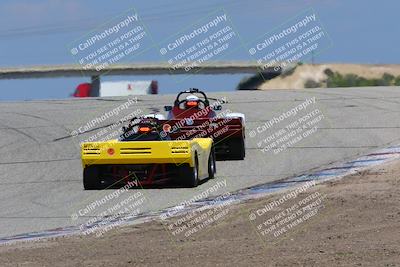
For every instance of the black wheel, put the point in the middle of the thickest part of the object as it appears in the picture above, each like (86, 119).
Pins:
(237, 148)
(212, 168)
(91, 179)
(190, 175)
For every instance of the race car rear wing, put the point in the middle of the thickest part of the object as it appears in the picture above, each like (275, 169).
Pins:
(142, 152)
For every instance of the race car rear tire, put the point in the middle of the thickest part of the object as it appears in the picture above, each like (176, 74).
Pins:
(212, 168)
(190, 175)
(237, 148)
(91, 179)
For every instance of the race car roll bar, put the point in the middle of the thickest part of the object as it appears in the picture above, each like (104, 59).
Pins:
(192, 91)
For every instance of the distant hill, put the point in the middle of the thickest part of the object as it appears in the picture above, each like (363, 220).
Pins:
(328, 75)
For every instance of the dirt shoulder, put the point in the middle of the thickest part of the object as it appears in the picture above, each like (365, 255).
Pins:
(355, 223)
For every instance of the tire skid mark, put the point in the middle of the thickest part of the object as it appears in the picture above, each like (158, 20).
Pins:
(21, 132)
(38, 161)
(41, 182)
(52, 123)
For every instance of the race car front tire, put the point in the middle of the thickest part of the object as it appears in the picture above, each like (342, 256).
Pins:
(91, 180)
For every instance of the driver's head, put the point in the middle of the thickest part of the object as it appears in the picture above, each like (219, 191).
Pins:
(192, 101)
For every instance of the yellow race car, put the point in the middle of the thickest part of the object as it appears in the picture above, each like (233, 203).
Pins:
(141, 156)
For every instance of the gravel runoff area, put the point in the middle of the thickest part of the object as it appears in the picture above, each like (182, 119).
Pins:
(353, 221)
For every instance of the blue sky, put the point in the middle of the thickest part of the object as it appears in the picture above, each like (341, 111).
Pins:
(39, 32)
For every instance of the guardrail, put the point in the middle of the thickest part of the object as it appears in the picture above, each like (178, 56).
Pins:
(222, 67)
(160, 68)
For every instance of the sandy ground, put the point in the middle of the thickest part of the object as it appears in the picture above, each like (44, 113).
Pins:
(355, 223)
(316, 72)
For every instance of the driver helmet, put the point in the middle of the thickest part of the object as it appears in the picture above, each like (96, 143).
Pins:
(192, 101)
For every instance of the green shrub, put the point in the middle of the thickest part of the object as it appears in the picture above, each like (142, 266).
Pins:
(310, 83)
(397, 81)
(335, 79)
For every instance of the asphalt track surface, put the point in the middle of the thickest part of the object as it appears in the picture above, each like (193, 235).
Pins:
(41, 172)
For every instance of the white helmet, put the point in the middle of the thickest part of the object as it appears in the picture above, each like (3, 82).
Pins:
(192, 98)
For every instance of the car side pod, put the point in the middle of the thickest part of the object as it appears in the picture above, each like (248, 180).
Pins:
(237, 146)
